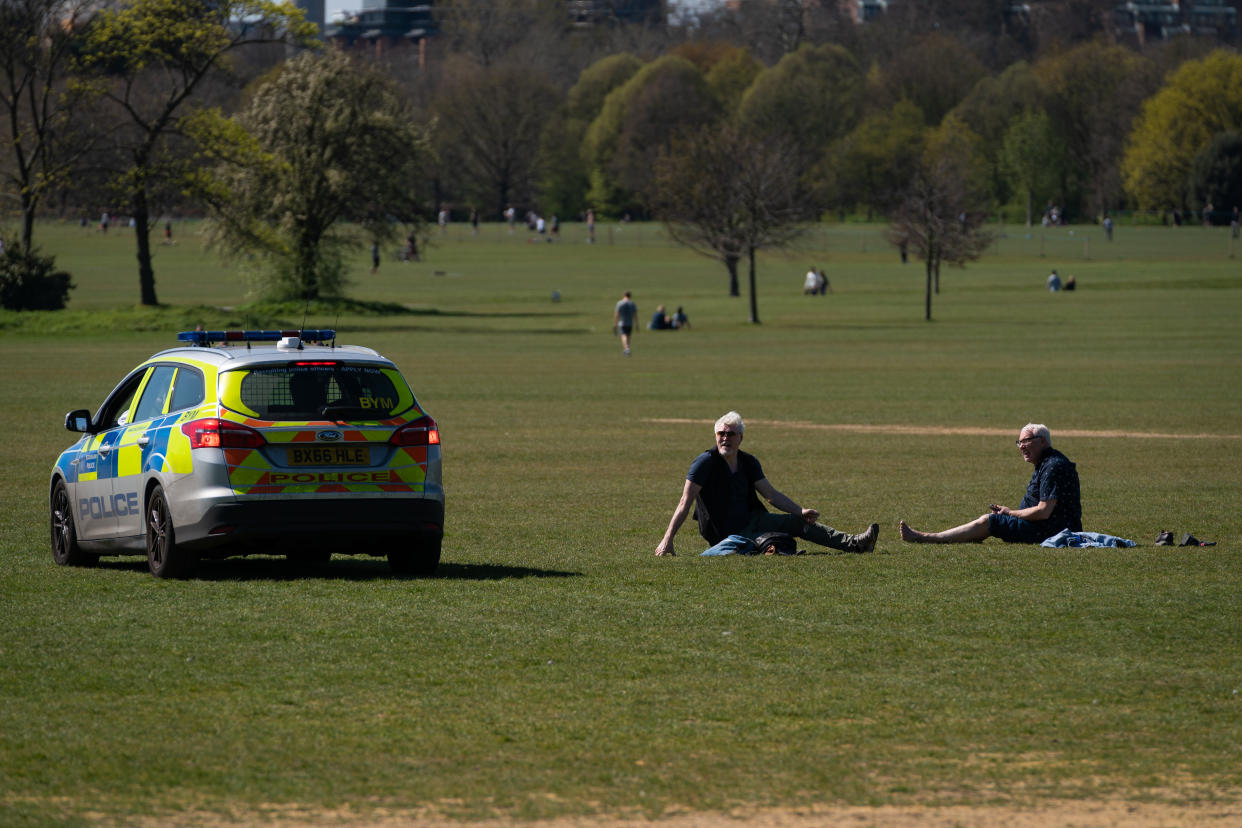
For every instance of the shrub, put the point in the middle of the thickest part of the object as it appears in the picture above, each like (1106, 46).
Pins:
(29, 281)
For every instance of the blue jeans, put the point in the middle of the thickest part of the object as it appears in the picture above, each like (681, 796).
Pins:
(761, 522)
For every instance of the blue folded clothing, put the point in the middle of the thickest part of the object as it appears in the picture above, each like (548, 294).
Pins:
(1070, 538)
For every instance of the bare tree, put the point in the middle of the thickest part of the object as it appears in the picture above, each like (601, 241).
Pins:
(941, 218)
(490, 121)
(727, 194)
(37, 43)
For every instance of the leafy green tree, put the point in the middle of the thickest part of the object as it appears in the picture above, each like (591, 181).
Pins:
(731, 75)
(727, 193)
(1031, 157)
(1092, 93)
(941, 217)
(873, 165)
(586, 97)
(39, 101)
(812, 96)
(323, 142)
(935, 73)
(1216, 176)
(1199, 101)
(564, 175)
(150, 59)
(989, 110)
(637, 120)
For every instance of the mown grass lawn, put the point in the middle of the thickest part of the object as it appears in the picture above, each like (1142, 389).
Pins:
(555, 667)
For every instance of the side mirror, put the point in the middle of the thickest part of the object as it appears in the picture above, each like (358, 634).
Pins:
(79, 420)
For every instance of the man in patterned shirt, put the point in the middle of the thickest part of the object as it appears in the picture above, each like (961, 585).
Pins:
(1051, 503)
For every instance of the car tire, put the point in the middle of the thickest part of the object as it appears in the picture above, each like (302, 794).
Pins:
(164, 558)
(422, 559)
(65, 549)
(314, 557)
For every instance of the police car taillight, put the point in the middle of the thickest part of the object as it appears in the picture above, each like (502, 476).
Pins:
(420, 432)
(212, 432)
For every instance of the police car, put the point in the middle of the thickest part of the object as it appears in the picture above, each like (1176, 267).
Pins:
(244, 442)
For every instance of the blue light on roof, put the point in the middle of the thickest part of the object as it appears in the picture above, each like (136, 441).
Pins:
(205, 338)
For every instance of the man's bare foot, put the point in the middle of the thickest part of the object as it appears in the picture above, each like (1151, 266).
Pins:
(909, 535)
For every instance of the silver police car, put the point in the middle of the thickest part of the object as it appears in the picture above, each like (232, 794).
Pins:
(252, 442)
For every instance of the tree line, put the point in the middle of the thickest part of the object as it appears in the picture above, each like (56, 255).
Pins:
(735, 127)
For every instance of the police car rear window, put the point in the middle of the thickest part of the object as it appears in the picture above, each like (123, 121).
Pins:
(303, 392)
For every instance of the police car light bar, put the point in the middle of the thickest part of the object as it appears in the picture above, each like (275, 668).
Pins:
(205, 338)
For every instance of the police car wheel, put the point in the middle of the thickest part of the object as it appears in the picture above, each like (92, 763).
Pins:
(421, 560)
(163, 556)
(313, 556)
(65, 549)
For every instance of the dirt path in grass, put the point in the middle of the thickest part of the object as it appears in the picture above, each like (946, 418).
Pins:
(970, 431)
(1057, 814)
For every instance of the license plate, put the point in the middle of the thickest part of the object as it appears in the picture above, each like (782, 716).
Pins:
(329, 456)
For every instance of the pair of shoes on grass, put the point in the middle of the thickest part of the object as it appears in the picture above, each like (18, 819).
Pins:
(1166, 539)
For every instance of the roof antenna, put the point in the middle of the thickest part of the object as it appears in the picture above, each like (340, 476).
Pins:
(302, 331)
(335, 322)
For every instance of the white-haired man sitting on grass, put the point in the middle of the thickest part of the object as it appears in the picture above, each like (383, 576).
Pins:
(722, 487)
(1051, 504)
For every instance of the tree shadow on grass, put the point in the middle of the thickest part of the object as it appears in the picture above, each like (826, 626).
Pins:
(338, 569)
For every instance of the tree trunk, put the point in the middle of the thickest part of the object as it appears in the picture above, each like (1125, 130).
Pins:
(927, 311)
(307, 272)
(28, 220)
(142, 235)
(937, 272)
(754, 300)
(731, 264)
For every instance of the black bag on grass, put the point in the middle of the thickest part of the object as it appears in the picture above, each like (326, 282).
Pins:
(777, 543)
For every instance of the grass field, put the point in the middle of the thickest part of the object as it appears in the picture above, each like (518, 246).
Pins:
(555, 668)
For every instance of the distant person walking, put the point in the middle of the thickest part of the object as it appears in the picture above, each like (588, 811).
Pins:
(590, 219)
(375, 258)
(623, 317)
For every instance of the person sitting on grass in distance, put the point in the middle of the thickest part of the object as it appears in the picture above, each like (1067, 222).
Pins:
(721, 487)
(1050, 506)
(660, 321)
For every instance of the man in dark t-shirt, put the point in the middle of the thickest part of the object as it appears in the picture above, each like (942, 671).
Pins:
(722, 488)
(1051, 504)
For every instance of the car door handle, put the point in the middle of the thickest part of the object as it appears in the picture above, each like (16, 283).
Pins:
(143, 440)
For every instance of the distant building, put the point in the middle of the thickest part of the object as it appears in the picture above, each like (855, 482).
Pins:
(1152, 20)
(862, 11)
(384, 24)
(595, 12)
(314, 11)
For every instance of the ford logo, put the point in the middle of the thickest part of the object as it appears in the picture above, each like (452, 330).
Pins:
(329, 436)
